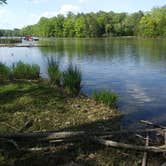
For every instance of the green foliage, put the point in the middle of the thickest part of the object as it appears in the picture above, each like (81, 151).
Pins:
(72, 80)
(85, 25)
(54, 71)
(22, 70)
(153, 24)
(3, 2)
(150, 24)
(106, 97)
(4, 71)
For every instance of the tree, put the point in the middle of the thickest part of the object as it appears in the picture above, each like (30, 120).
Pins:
(81, 27)
(3, 2)
(153, 24)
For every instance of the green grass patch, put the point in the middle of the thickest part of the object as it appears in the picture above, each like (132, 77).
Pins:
(19, 70)
(5, 72)
(107, 97)
(22, 70)
(54, 72)
(72, 78)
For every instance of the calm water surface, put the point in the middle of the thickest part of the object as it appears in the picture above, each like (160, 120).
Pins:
(133, 68)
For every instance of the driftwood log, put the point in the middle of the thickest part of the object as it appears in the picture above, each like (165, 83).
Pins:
(115, 144)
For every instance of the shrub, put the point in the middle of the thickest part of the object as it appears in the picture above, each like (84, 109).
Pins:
(107, 97)
(72, 78)
(22, 70)
(4, 71)
(54, 73)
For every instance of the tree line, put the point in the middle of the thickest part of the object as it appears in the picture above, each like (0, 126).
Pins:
(100, 24)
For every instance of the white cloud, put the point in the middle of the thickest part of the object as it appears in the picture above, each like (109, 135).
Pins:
(34, 1)
(3, 13)
(68, 8)
(64, 9)
(48, 14)
(81, 1)
(37, 1)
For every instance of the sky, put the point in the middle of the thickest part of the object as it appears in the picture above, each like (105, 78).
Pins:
(20, 13)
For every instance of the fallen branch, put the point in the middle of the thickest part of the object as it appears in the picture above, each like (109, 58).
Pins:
(129, 146)
(152, 124)
(144, 160)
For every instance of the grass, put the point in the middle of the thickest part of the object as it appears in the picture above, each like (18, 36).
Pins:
(107, 97)
(50, 108)
(4, 72)
(19, 70)
(72, 78)
(54, 72)
(22, 70)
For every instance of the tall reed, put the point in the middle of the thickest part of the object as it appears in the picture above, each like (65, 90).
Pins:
(22, 70)
(72, 78)
(54, 72)
(4, 71)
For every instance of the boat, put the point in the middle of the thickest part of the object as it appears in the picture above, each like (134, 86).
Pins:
(30, 38)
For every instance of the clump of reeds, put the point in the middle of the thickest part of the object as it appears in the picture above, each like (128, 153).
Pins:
(72, 78)
(22, 70)
(107, 97)
(5, 72)
(54, 72)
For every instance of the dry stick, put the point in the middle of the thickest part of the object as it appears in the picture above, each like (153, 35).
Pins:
(129, 146)
(144, 160)
(152, 124)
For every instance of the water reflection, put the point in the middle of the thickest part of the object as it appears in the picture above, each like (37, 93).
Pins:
(134, 68)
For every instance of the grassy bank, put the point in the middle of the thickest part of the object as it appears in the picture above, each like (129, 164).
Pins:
(50, 108)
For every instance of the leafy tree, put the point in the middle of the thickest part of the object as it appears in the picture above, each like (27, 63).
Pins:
(153, 24)
(81, 27)
(69, 25)
(3, 2)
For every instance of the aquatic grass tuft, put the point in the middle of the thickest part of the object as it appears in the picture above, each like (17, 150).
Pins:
(72, 78)
(4, 71)
(54, 72)
(22, 70)
(107, 97)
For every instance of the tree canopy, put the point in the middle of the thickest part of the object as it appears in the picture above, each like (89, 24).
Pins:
(100, 24)
(3, 2)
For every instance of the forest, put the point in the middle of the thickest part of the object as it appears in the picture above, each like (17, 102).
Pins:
(100, 24)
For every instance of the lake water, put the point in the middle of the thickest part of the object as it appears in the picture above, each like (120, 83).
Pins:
(134, 68)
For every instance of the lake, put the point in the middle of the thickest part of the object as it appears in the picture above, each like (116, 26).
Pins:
(133, 68)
